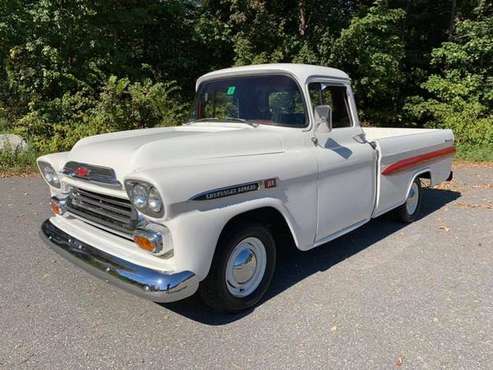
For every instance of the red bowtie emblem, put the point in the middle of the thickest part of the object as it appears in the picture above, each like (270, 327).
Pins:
(81, 171)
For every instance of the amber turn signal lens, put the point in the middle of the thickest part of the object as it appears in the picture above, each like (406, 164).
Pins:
(144, 243)
(55, 207)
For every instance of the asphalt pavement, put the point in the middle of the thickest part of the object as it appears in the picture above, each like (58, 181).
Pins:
(388, 295)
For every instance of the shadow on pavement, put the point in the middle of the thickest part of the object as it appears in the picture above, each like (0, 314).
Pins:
(293, 265)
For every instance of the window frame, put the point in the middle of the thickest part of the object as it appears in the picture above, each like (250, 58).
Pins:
(353, 118)
(308, 114)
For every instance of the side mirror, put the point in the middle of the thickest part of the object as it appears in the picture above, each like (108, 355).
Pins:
(323, 118)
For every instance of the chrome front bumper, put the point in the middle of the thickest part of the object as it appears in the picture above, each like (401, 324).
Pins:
(157, 286)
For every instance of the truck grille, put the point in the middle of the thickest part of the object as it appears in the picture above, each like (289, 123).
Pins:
(111, 212)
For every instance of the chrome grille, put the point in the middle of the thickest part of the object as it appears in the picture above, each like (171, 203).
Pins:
(111, 212)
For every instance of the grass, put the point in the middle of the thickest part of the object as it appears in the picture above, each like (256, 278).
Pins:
(3, 124)
(15, 162)
(475, 153)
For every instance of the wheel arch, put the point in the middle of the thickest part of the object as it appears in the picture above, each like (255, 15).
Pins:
(267, 215)
(424, 173)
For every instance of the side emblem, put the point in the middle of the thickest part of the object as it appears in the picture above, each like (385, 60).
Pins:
(237, 189)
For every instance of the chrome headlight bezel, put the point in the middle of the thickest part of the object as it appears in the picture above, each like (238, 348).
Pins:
(143, 205)
(49, 174)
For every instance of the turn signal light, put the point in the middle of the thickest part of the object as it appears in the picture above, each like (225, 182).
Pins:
(154, 238)
(144, 243)
(57, 206)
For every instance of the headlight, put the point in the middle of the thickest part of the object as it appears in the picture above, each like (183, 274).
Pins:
(49, 174)
(154, 201)
(145, 197)
(139, 196)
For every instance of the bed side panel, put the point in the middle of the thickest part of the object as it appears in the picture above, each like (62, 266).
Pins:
(432, 150)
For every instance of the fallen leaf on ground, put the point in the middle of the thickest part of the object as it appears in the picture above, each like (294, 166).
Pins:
(467, 164)
(399, 361)
(487, 205)
(483, 186)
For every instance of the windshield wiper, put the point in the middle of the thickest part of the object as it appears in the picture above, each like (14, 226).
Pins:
(226, 119)
(242, 120)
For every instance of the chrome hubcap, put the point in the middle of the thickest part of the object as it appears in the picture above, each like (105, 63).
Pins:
(412, 199)
(246, 267)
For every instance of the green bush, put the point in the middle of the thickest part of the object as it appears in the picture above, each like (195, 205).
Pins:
(461, 96)
(12, 161)
(122, 105)
(475, 153)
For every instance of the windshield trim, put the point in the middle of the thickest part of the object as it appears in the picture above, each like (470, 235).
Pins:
(305, 127)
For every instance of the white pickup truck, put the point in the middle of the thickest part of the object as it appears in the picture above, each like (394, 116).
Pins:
(270, 149)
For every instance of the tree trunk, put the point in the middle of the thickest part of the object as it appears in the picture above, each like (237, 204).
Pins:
(302, 27)
(451, 26)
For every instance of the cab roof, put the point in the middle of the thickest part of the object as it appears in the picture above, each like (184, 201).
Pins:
(300, 71)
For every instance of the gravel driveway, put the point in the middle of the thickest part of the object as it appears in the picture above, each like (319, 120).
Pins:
(384, 296)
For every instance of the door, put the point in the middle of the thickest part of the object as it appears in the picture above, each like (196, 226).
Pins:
(346, 164)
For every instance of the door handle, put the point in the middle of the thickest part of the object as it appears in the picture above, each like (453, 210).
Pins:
(360, 138)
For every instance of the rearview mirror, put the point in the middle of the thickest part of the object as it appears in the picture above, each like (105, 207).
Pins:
(323, 118)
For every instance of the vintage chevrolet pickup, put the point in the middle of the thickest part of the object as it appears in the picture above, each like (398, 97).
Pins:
(270, 149)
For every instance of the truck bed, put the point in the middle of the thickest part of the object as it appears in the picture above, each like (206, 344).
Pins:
(377, 133)
(403, 154)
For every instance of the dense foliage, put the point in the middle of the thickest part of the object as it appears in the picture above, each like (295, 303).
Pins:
(461, 93)
(69, 69)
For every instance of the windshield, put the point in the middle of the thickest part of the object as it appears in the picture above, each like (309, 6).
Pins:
(269, 100)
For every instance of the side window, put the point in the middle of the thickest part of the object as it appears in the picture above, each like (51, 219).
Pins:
(336, 97)
(315, 91)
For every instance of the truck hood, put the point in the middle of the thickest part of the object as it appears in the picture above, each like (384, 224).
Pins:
(136, 150)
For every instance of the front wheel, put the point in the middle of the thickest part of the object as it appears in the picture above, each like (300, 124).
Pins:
(242, 269)
(409, 211)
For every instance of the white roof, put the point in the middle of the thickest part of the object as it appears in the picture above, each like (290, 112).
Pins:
(300, 71)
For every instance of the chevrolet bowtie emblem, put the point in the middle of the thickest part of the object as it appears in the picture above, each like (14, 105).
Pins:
(82, 171)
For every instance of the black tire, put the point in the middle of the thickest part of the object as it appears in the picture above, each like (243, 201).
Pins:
(402, 213)
(214, 291)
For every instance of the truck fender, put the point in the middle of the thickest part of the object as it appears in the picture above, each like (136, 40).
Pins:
(203, 230)
(57, 160)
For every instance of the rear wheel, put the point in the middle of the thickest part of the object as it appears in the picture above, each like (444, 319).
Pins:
(409, 211)
(242, 269)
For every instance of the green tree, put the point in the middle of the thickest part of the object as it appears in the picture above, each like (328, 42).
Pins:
(371, 50)
(70, 69)
(461, 95)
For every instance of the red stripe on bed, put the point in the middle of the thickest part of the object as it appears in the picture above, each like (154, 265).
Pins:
(413, 161)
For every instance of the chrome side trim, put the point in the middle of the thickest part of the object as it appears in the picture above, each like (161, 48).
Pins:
(158, 286)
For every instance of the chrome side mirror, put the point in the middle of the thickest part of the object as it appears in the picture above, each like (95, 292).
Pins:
(323, 118)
